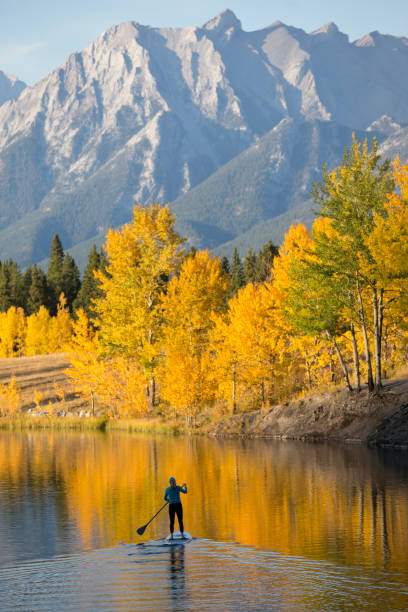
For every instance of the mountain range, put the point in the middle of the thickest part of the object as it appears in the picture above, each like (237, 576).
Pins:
(230, 127)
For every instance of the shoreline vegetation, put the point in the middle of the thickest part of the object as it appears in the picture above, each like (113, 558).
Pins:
(175, 339)
(334, 415)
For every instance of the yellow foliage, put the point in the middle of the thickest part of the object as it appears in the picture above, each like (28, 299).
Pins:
(83, 352)
(38, 332)
(59, 391)
(250, 346)
(12, 332)
(38, 396)
(118, 382)
(297, 242)
(143, 255)
(10, 398)
(187, 378)
(123, 388)
(388, 242)
(60, 327)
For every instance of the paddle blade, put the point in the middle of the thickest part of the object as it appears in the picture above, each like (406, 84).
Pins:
(141, 530)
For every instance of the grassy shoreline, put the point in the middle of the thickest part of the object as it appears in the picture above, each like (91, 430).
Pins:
(73, 423)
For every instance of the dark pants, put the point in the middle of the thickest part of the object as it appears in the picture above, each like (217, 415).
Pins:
(174, 509)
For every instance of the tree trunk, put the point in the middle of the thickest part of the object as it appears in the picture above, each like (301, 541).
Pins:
(370, 382)
(234, 387)
(341, 360)
(309, 376)
(93, 403)
(378, 316)
(151, 393)
(331, 365)
(356, 359)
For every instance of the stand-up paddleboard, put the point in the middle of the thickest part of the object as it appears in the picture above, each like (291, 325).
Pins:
(177, 539)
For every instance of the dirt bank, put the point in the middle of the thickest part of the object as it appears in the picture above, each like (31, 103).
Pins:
(347, 417)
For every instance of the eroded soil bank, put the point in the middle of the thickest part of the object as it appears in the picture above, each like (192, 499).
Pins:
(354, 417)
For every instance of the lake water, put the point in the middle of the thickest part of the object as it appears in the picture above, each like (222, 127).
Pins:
(276, 525)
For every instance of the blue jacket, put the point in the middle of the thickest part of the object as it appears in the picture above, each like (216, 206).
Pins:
(172, 494)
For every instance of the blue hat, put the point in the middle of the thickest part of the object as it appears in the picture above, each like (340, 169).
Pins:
(172, 479)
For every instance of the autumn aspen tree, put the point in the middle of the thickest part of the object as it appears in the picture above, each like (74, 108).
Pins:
(199, 291)
(143, 256)
(350, 196)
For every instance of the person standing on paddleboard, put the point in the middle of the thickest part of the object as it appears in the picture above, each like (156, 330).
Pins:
(172, 495)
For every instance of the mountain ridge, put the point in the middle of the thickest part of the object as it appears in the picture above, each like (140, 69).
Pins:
(10, 87)
(149, 114)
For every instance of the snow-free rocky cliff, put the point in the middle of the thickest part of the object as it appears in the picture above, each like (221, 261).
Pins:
(182, 115)
(10, 87)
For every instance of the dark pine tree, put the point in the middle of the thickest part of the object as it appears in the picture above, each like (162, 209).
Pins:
(38, 294)
(55, 278)
(90, 285)
(5, 296)
(264, 261)
(71, 280)
(27, 281)
(192, 251)
(11, 286)
(250, 267)
(236, 273)
(225, 265)
(17, 285)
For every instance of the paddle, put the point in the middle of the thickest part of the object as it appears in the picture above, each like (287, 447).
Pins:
(141, 530)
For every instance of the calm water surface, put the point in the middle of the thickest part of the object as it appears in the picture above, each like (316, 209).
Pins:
(276, 525)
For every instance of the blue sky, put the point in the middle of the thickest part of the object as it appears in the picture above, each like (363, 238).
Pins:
(37, 35)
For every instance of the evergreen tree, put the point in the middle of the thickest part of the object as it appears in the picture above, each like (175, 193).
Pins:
(264, 262)
(225, 266)
(5, 297)
(236, 273)
(38, 294)
(55, 278)
(71, 280)
(250, 267)
(27, 281)
(11, 286)
(90, 285)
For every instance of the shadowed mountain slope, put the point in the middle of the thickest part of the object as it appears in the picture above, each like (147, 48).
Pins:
(147, 114)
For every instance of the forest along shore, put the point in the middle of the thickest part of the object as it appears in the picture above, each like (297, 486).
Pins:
(379, 419)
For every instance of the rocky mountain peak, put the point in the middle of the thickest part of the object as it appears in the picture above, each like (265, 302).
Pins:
(146, 114)
(385, 125)
(329, 31)
(223, 22)
(10, 87)
(368, 40)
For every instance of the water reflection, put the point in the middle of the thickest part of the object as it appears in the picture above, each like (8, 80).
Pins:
(65, 492)
(177, 577)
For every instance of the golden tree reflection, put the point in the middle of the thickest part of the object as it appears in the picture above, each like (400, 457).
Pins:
(343, 504)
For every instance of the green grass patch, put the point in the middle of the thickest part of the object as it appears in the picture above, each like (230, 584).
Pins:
(23, 422)
(154, 425)
(143, 425)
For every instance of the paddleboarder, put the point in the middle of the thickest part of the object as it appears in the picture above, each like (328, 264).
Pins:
(172, 495)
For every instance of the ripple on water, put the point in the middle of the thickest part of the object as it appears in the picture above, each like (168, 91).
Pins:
(202, 575)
